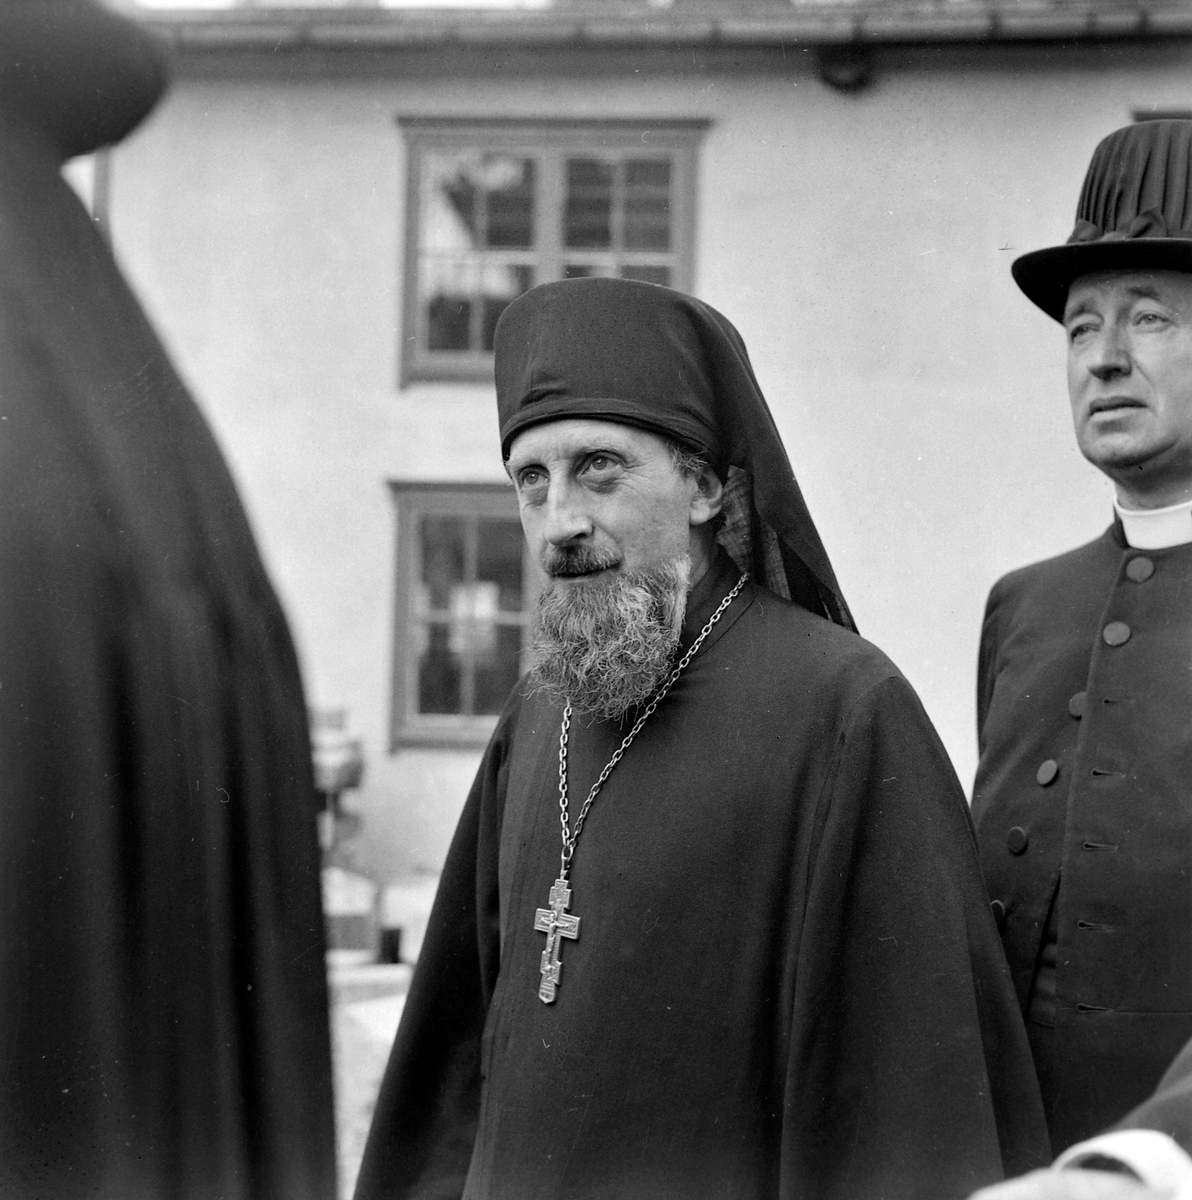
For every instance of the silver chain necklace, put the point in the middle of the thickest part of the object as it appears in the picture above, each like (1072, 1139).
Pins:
(554, 921)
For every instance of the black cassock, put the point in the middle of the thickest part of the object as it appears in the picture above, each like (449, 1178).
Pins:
(1083, 816)
(163, 1029)
(787, 980)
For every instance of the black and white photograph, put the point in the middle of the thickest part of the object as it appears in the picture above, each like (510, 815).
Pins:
(596, 599)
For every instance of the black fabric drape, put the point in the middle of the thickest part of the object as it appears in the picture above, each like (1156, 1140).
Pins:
(163, 1031)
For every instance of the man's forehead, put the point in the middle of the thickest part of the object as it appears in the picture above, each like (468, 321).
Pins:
(570, 436)
(1091, 291)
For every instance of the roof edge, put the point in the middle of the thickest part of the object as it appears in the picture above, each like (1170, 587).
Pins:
(581, 22)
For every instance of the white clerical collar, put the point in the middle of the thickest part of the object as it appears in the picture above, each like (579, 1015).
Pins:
(1156, 528)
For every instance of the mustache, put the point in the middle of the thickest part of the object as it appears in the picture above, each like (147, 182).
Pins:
(576, 560)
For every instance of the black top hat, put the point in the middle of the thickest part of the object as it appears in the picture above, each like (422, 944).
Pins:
(1134, 213)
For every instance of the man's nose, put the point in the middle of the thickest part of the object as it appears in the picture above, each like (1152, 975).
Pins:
(566, 520)
(1111, 354)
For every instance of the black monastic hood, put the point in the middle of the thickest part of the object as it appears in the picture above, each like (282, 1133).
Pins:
(652, 357)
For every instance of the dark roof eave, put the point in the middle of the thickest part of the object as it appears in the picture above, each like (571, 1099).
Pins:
(578, 24)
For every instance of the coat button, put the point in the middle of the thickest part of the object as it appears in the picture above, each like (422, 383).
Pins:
(1016, 840)
(1048, 770)
(1140, 569)
(999, 913)
(1078, 703)
(1116, 633)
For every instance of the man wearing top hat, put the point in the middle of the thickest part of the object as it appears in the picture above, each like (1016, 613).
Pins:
(1083, 797)
(712, 923)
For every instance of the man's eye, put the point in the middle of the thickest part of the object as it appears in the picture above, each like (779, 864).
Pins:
(601, 462)
(529, 478)
(1079, 333)
(1150, 318)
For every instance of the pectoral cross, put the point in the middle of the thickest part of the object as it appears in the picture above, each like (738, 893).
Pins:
(556, 924)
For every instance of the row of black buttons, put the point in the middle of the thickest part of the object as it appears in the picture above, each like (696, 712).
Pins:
(1116, 633)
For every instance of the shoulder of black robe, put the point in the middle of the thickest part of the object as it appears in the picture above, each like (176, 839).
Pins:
(915, 1078)
(1049, 587)
(165, 1020)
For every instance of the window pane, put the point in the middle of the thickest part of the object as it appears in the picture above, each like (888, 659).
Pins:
(443, 543)
(509, 191)
(451, 194)
(647, 204)
(439, 673)
(495, 678)
(502, 284)
(448, 322)
(660, 275)
(499, 560)
(587, 216)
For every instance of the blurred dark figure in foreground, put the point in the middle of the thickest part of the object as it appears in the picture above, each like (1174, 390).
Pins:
(164, 1017)
(1144, 1157)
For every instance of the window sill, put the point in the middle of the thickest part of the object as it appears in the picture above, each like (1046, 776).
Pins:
(447, 733)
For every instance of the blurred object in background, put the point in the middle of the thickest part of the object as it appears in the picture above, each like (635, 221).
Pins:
(350, 908)
(367, 1003)
(164, 1021)
(403, 911)
(339, 767)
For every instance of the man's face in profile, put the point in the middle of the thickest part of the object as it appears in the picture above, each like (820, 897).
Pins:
(1130, 379)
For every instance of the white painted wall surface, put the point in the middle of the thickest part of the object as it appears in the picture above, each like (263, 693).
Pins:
(860, 243)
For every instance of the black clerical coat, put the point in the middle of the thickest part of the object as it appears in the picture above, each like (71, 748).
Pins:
(787, 981)
(1085, 786)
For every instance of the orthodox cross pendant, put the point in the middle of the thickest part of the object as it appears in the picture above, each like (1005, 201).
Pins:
(556, 924)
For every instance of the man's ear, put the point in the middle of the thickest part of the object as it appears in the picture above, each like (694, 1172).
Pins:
(708, 498)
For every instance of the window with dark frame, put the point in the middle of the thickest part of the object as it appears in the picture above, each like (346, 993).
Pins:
(496, 207)
(465, 589)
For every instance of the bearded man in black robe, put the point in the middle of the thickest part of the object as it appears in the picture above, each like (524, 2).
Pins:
(754, 958)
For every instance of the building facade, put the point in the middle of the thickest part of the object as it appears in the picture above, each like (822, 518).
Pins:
(329, 210)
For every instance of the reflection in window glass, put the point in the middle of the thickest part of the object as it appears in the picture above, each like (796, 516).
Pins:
(477, 208)
(469, 622)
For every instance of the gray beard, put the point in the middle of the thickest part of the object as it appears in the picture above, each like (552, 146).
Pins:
(607, 645)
